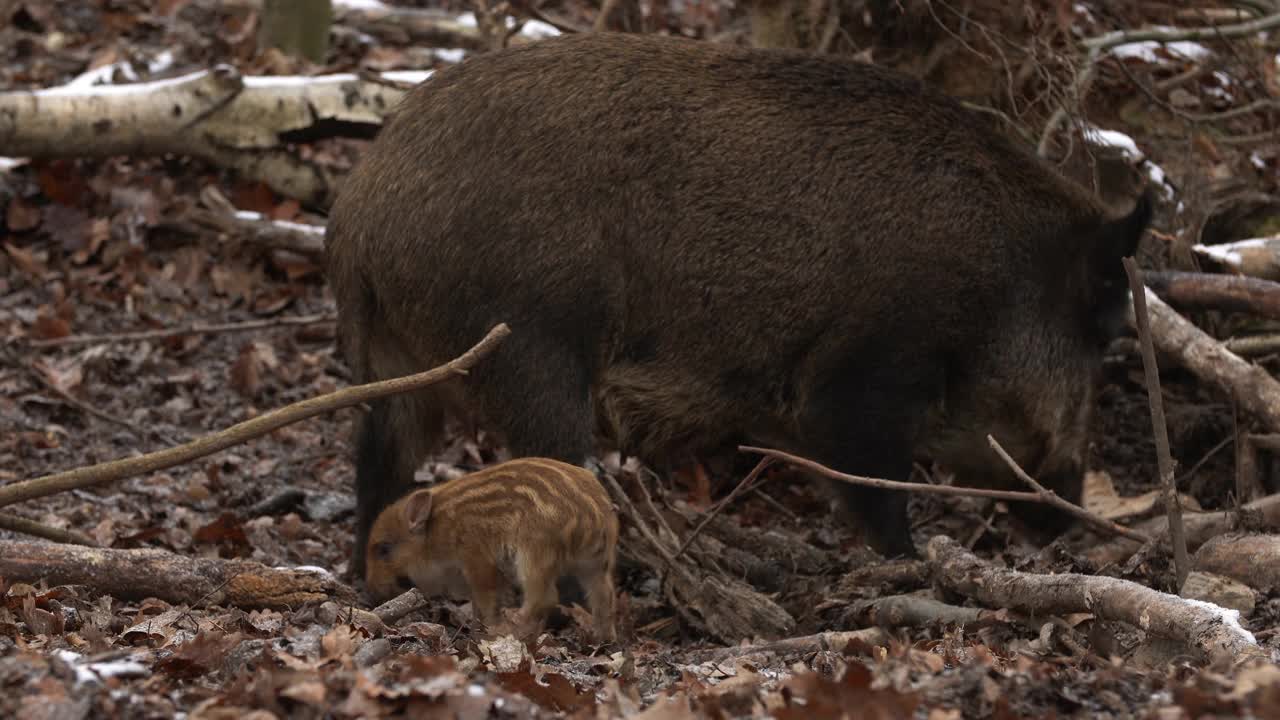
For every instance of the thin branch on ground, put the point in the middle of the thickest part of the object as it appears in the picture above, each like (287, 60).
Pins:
(193, 329)
(1050, 497)
(14, 523)
(247, 430)
(1041, 496)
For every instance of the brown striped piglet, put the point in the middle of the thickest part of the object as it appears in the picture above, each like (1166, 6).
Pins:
(527, 520)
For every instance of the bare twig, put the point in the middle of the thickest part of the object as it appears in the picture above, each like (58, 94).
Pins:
(193, 329)
(79, 404)
(1041, 496)
(1164, 458)
(13, 523)
(247, 430)
(746, 481)
(399, 606)
(1050, 497)
(1095, 47)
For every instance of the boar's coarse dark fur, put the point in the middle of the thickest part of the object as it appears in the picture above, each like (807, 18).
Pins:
(694, 243)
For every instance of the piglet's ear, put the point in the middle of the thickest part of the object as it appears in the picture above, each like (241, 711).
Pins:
(417, 508)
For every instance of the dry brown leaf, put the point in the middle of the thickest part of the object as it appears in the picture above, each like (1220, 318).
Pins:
(21, 216)
(1101, 498)
(245, 376)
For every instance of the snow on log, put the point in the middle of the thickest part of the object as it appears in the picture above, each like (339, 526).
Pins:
(177, 579)
(241, 123)
(1212, 631)
(1256, 257)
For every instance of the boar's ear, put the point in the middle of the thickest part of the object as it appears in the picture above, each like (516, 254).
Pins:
(417, 508)
(1113, 241)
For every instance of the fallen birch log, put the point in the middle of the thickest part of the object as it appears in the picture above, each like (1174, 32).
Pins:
(1206, 291)
(301, 238)
(176, 579)
(241, 123)
(1256, 257)
(1250, 386)
(1212, 632)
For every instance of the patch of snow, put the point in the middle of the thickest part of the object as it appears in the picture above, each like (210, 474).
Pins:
(1254, 158)
(343, 5)
(1156, 173)
(475, 690)
(1229, 617)
(1146, 49)
(133, 88)
(8, 163)
(532, 29)
(308, 568)
(1180, 209)
(1222, 77)
(295, 226)
(1229, 255)
(450, 55)
(1113, 138)
(93, 673)
(102, 75)
(409, 76)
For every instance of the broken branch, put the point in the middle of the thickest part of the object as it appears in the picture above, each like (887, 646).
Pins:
(1213, 632)
(193, 329)
(249, 429)
(13, 523)
(1231, 293)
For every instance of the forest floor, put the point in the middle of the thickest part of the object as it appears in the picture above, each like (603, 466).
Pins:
(95, 247)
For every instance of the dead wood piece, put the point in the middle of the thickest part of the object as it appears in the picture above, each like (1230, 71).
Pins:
(832, 641)
(245, 124)
(13, 523)
(1220, 590)
(415, 26)
(1251, 558)
(1255, 257)
(1160, 429)
(400, 605)
(1200, 528)
(1250, 386)
(247, 430)
(301, 238)
(177, 579)
(724, 607)
(1213, 632)
(918, 610)
(789, 552)
(1207, 291)
(193, 329)
(895, 575)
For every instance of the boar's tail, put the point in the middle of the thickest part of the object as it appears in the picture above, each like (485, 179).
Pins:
(1115, 240)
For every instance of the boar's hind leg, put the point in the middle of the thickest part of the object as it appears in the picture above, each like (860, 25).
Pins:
(536, 390)
(865, 425)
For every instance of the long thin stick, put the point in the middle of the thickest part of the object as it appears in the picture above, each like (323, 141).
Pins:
(1014, 495)
(196, 328)
(1181, 564)
(13, 523)
(247, 430)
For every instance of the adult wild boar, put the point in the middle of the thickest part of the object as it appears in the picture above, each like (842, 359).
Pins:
(693, 242)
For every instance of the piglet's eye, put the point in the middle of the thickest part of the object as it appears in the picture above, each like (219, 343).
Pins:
(382, 551)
